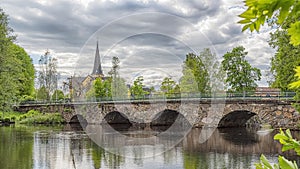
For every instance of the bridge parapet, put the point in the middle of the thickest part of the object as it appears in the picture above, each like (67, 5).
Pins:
(278, 113)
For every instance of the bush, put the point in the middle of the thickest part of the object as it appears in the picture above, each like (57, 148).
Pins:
(286, 139)
(27, 99)
(6, 120)
(35, 117)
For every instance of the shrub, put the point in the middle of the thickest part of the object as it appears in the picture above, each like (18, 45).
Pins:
(286, 139)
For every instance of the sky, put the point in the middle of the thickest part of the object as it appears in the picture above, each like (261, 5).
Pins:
(150, 37)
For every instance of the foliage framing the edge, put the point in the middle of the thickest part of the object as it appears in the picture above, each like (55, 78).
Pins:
(260, 11)
(286, 139)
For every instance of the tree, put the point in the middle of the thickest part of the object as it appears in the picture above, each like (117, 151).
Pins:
(285, 14)
(115, 66)
(7, 85)
(168, 87)
(119, 89)
(16, 69)
(43, 94)
(283, 63)
(100, 91)
(137, 90)
(216, 75)
(57, 95)
(276, 12)
(26, 72)
(241, 76)
(194, 71)
(48, 75)
(188, 83)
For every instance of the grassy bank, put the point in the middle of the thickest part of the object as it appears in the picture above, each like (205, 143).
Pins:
(31, 117)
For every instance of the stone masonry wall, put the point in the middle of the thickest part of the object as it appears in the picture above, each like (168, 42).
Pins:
(199, 113)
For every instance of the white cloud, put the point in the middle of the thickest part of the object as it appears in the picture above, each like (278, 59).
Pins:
(141, 40)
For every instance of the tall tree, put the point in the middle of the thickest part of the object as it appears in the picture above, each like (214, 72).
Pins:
(43, 94)
(48, 74)
(119, 89)
(137, 89)
(7, 85)
(16, 69)
(26, 72)
(100, 90)
(285, 16)
(168, 87)
(188, 83)
(241, 76)
(285, 60)
(57, 95)
(216, 75)
(196, 72)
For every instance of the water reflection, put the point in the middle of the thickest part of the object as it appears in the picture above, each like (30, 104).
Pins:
(15, 148)
(65, 148)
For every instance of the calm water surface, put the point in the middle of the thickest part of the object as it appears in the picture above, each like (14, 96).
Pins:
(62, 147)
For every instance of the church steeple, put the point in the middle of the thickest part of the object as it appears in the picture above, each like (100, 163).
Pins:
(97, 63)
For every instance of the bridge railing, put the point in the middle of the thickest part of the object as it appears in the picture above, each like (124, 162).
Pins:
(284, 96)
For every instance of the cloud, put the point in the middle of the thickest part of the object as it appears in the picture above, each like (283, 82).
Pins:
(145, 34)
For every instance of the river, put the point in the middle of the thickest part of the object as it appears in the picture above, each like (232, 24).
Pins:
(67, 147)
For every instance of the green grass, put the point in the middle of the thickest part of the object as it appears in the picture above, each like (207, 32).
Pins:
(32, 117)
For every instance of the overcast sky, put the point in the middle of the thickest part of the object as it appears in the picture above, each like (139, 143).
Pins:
(151, 38)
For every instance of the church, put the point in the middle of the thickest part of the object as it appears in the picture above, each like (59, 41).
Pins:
(80, 85)
(97, 70)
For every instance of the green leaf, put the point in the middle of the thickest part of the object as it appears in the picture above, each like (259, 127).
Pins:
(287, 147)
(294, 32)
(245, 27)
(265, 12)
(244, 21)
(285, 6)
(288, 133)
(248, 14)
(276, 166)
(252, 27)
(265, 161)
(258, 166)
(257, 25)
(286, 164)
(280, 136)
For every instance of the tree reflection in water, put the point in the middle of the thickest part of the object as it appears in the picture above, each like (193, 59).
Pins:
(54, 148)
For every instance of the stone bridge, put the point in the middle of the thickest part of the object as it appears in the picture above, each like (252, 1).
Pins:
(221, 113)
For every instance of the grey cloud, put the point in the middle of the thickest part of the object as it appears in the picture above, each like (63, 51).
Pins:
(66, 26)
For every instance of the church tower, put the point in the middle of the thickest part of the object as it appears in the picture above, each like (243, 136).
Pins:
(97, 70)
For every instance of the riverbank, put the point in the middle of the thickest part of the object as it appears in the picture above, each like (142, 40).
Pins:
(31, 117)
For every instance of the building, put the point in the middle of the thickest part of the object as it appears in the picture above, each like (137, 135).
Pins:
(97, 70)
(80, 85)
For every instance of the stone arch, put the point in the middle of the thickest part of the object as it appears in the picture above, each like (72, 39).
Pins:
(78, 118)
(116, 117)
(236, 118)
(165, 118)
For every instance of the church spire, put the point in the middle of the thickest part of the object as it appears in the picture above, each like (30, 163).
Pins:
(97, 63)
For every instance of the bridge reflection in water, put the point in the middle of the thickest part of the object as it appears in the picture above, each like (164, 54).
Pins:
(223, 140)
(226, 148)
